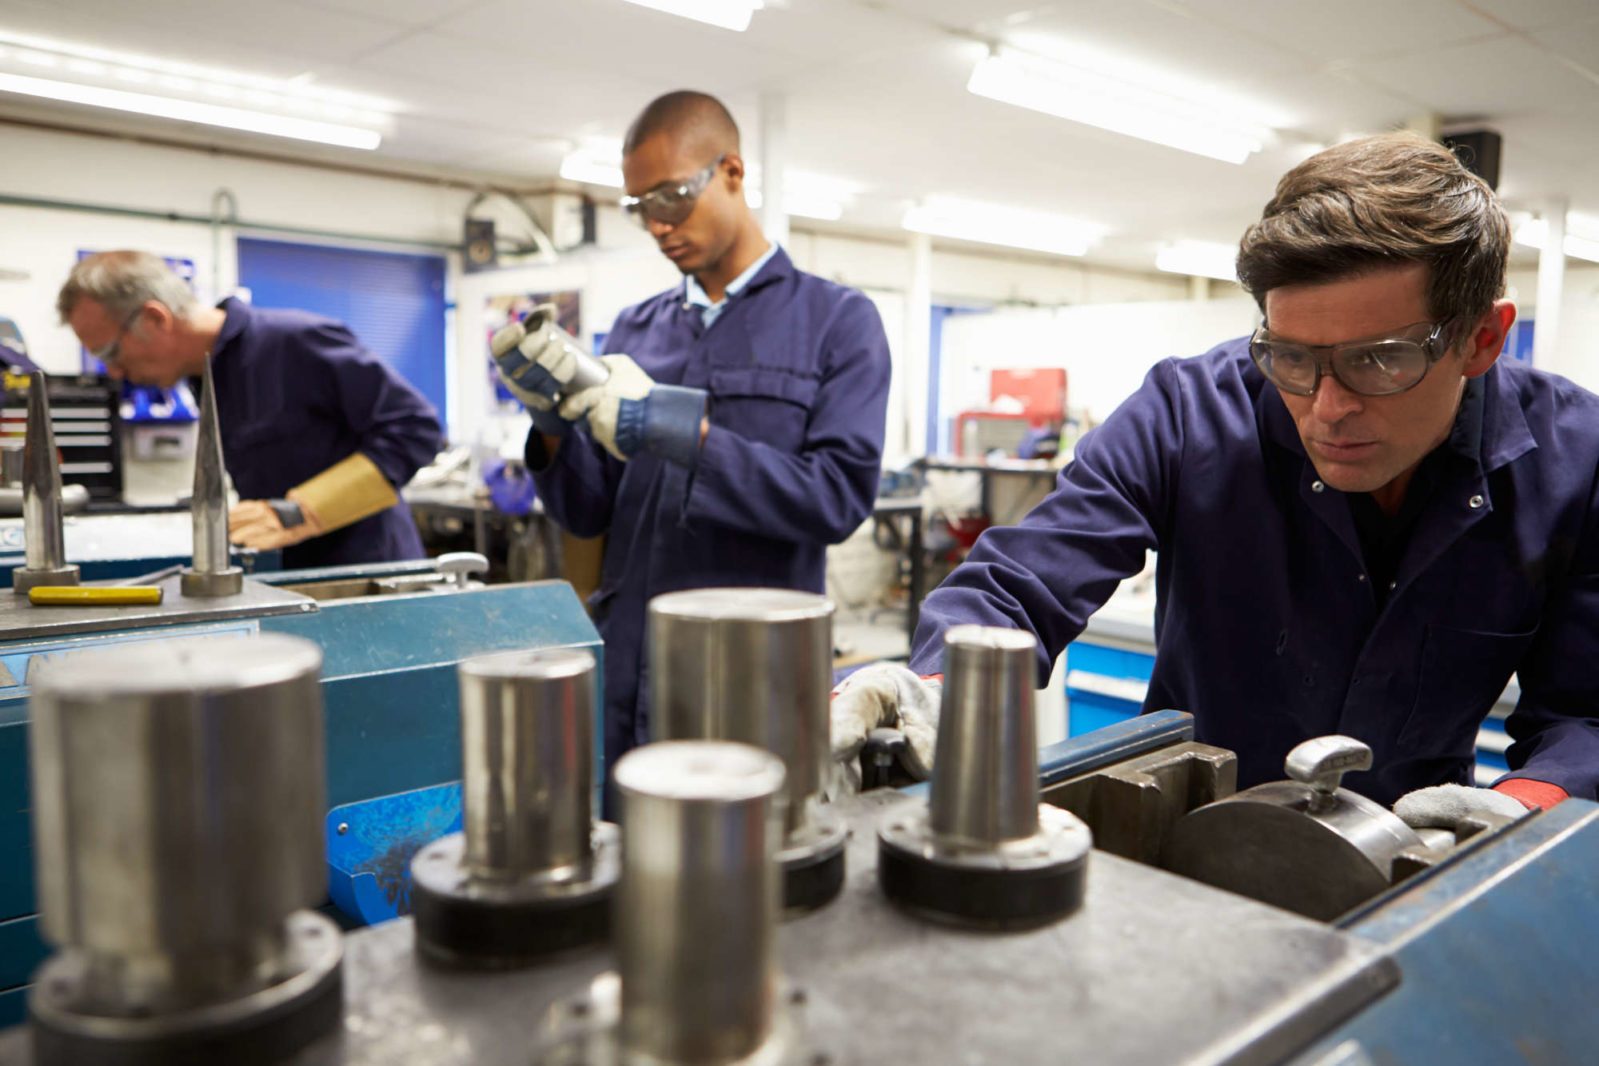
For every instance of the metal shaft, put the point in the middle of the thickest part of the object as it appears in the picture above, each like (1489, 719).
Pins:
(41, 483)
(696, 913)
(527, 742)
(177, 804)
(750, 665)
(985, 770)
(209, 507)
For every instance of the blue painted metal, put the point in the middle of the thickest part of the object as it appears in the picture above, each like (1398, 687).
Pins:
(1499, 953)
(371, 844)
(1122, 740)
(389, 690)
(13, 1006)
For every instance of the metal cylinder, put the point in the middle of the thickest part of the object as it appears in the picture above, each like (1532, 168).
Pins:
(751, 665)
(527, 745)
(11, 462)
(697, 908)
(209, 505)
(44, 544)
(212, 574)
(178, 804)
(985, 774)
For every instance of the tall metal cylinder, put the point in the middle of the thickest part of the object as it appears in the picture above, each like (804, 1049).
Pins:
(44, 540)
(697, 907)
(985, 780)
(211, 575)
(527, 745)
(750, 665)
(178, 805)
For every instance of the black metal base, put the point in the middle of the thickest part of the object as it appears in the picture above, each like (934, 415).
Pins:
(259, 1029)
(464, 924)
(1018, 885)
(812, 881)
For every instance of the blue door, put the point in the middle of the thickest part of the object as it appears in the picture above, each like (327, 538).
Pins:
(394, 302)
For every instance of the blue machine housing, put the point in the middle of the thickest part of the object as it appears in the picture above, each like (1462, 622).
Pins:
(392, 719)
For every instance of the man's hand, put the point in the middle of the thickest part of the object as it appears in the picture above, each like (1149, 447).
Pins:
(266, 525)
(537, 365)
(630, 413)
(877, 696)
(1446, 806)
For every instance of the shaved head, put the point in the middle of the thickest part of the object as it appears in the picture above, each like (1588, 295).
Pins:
(694, 121)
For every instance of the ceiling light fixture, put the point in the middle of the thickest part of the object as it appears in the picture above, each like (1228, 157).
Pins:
(236, 118)
(84, 74)
(1205, 259)
(1582, 236)
(728, 14)
(1094, 99)
(967, 220)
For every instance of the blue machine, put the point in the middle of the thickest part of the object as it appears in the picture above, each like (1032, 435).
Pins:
(389, 692)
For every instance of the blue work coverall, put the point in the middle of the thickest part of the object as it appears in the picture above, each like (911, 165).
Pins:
(297, 393)
(1267, 626)
(797, 369)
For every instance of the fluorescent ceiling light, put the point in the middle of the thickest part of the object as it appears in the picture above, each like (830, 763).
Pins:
(236, 118)
(728, 14)
(597, 161)
(1125, 107)
(1205, 259)
(992, 224)
(1582, 236)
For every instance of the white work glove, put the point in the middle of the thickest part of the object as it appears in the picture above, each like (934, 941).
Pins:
(1446, 806)
(630, 413)
(878, 696)
(537, 365)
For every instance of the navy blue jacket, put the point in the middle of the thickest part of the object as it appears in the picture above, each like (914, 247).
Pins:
(797, 369)
(1266, 625)
(297, 393)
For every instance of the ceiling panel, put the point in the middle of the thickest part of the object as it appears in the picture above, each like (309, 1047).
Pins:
(1349, 29)
(1505, 76)
(403, 12)
(1535, 14)
(1578, 42)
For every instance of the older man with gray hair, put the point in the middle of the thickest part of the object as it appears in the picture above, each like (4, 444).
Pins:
(317, 432)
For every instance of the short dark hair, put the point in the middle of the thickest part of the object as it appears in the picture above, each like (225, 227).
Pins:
(1378, 202)
(684, 113)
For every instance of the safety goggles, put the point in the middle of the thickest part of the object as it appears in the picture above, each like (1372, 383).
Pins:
(107, 354)
(1376, 366)
(672, 203)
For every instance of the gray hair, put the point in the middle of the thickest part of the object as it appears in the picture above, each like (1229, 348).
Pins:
(122, 282)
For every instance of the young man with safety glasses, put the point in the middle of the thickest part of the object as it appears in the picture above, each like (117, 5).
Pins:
(739, 431)
(1365, 521)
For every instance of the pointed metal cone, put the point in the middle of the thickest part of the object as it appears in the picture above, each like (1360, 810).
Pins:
(209, 506)
(41, 483)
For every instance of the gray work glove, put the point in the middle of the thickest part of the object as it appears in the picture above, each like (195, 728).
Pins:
(537, 365)
(882, 695)
(1446, 806)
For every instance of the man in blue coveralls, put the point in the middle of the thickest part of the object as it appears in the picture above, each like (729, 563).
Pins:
(318, 434)
(1365, 521)
(742, 431)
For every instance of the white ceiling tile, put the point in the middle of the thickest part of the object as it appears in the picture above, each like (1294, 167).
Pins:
(1577, 42)
(1535, 14)
(1350, 29)
(1501, 77)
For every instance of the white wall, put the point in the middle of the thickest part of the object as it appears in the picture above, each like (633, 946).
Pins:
(57, 166)
(1106, 348)
(1577, 353)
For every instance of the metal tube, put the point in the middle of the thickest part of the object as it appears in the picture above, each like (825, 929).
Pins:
(178, 805)
(985, 774)
(527, 744)
(212, 573)
(12, 454)
(209, 505)
(41, 483)
(697, 908)
(750, 665)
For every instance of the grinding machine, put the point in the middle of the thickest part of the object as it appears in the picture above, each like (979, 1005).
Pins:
(1108, 899)
(390, 637)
